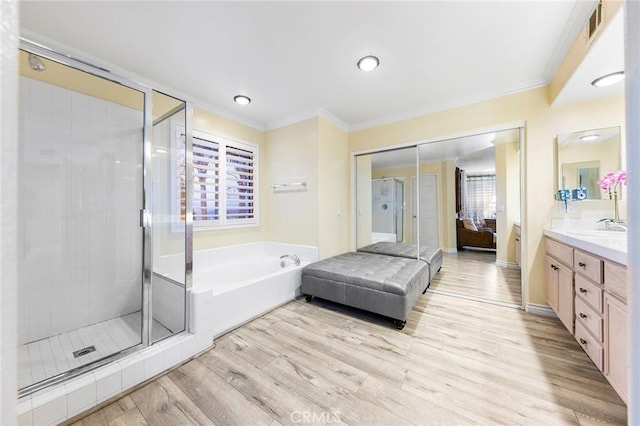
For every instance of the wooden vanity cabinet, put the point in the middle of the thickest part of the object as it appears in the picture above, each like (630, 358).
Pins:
(589, 316)
(559, 281)
(597, 296)
(615, 328)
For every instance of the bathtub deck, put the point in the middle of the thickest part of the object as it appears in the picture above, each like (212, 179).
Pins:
(456, 362)
(46, 358)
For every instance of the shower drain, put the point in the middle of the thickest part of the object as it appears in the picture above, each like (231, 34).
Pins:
(84, 351)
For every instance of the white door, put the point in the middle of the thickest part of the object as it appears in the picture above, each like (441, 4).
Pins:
(429, 223)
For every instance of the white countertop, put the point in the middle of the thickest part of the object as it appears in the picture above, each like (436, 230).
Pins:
(612, 248)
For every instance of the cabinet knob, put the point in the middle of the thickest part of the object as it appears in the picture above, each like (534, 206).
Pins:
(582, 264)
(583, 316)
(583, 290)
(554, 267)
(582, 341)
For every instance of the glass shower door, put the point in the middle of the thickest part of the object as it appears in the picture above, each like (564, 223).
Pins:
(80, 241)
(169, 217)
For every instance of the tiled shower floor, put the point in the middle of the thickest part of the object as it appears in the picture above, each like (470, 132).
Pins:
(46, 358)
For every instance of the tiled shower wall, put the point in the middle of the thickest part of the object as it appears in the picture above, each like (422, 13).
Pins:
(80, 192)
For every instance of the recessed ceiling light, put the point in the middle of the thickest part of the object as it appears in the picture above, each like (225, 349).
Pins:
(242, 99)
(368, 63)
(608, 80)
(591, 137)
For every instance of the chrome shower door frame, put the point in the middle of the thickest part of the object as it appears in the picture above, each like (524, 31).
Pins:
(69, 60)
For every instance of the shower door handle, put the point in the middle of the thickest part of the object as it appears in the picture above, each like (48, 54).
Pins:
(144, 219)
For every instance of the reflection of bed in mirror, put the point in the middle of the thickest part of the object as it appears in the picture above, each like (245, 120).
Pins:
(378, 237)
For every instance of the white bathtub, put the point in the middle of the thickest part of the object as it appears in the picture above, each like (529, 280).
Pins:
(232, 285)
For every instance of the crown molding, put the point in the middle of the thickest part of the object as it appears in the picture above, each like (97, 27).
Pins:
(394, 118)
(334, 119)
(303, 116)
(292, 119)
(578, 19)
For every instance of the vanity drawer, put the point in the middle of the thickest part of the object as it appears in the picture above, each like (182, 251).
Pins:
(589, 344)
(588, 291)
(588, 265)
(559, 251)
(615, 280)
(590, 318)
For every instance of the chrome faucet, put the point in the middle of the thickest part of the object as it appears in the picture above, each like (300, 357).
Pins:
(293, 257)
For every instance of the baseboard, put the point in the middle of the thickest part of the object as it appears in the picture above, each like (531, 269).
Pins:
(450, 250)
(508, 265)
(536, 309)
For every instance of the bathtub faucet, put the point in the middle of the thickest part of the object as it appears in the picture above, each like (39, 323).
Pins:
(293, 257)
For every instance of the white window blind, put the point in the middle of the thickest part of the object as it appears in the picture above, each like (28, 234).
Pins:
(225, 181)
(206, 181)
(240, 190)
(480, 197)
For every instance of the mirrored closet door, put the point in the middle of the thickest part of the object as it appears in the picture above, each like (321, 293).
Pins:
(460, 195)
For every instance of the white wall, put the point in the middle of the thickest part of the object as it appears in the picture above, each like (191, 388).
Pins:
(507, 160)
(334, 190)
(8, 208)
(632, 70)
(80, 191)
(292, 156)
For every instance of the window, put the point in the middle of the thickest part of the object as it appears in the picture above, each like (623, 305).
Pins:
(480, 197)
(225, 181)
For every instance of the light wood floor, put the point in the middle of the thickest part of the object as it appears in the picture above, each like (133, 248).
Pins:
(456, 362)
(475, 274)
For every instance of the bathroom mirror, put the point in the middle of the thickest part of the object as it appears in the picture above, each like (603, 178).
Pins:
(586, 156)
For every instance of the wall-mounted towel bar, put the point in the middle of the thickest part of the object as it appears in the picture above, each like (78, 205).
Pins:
(292, 185)
(289, 187)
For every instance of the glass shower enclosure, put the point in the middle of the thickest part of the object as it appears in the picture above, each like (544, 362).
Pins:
(88, 202)
(387, 207)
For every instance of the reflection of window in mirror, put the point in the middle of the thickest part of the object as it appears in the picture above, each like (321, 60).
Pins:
(586, 156)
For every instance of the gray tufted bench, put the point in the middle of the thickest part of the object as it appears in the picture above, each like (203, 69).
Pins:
(385, 285)
(433, 256)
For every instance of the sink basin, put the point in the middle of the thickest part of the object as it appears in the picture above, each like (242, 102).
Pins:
(609, 235)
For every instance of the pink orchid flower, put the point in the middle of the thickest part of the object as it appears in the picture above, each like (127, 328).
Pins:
(612, 181)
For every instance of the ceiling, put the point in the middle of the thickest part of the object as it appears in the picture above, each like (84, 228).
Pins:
(605, 56)
(298, 59)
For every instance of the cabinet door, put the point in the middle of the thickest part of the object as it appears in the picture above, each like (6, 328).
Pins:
(565, 296)
(551, 282)
(615, 344)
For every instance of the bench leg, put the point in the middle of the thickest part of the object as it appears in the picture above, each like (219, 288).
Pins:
(399, 324)
(308, 297)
